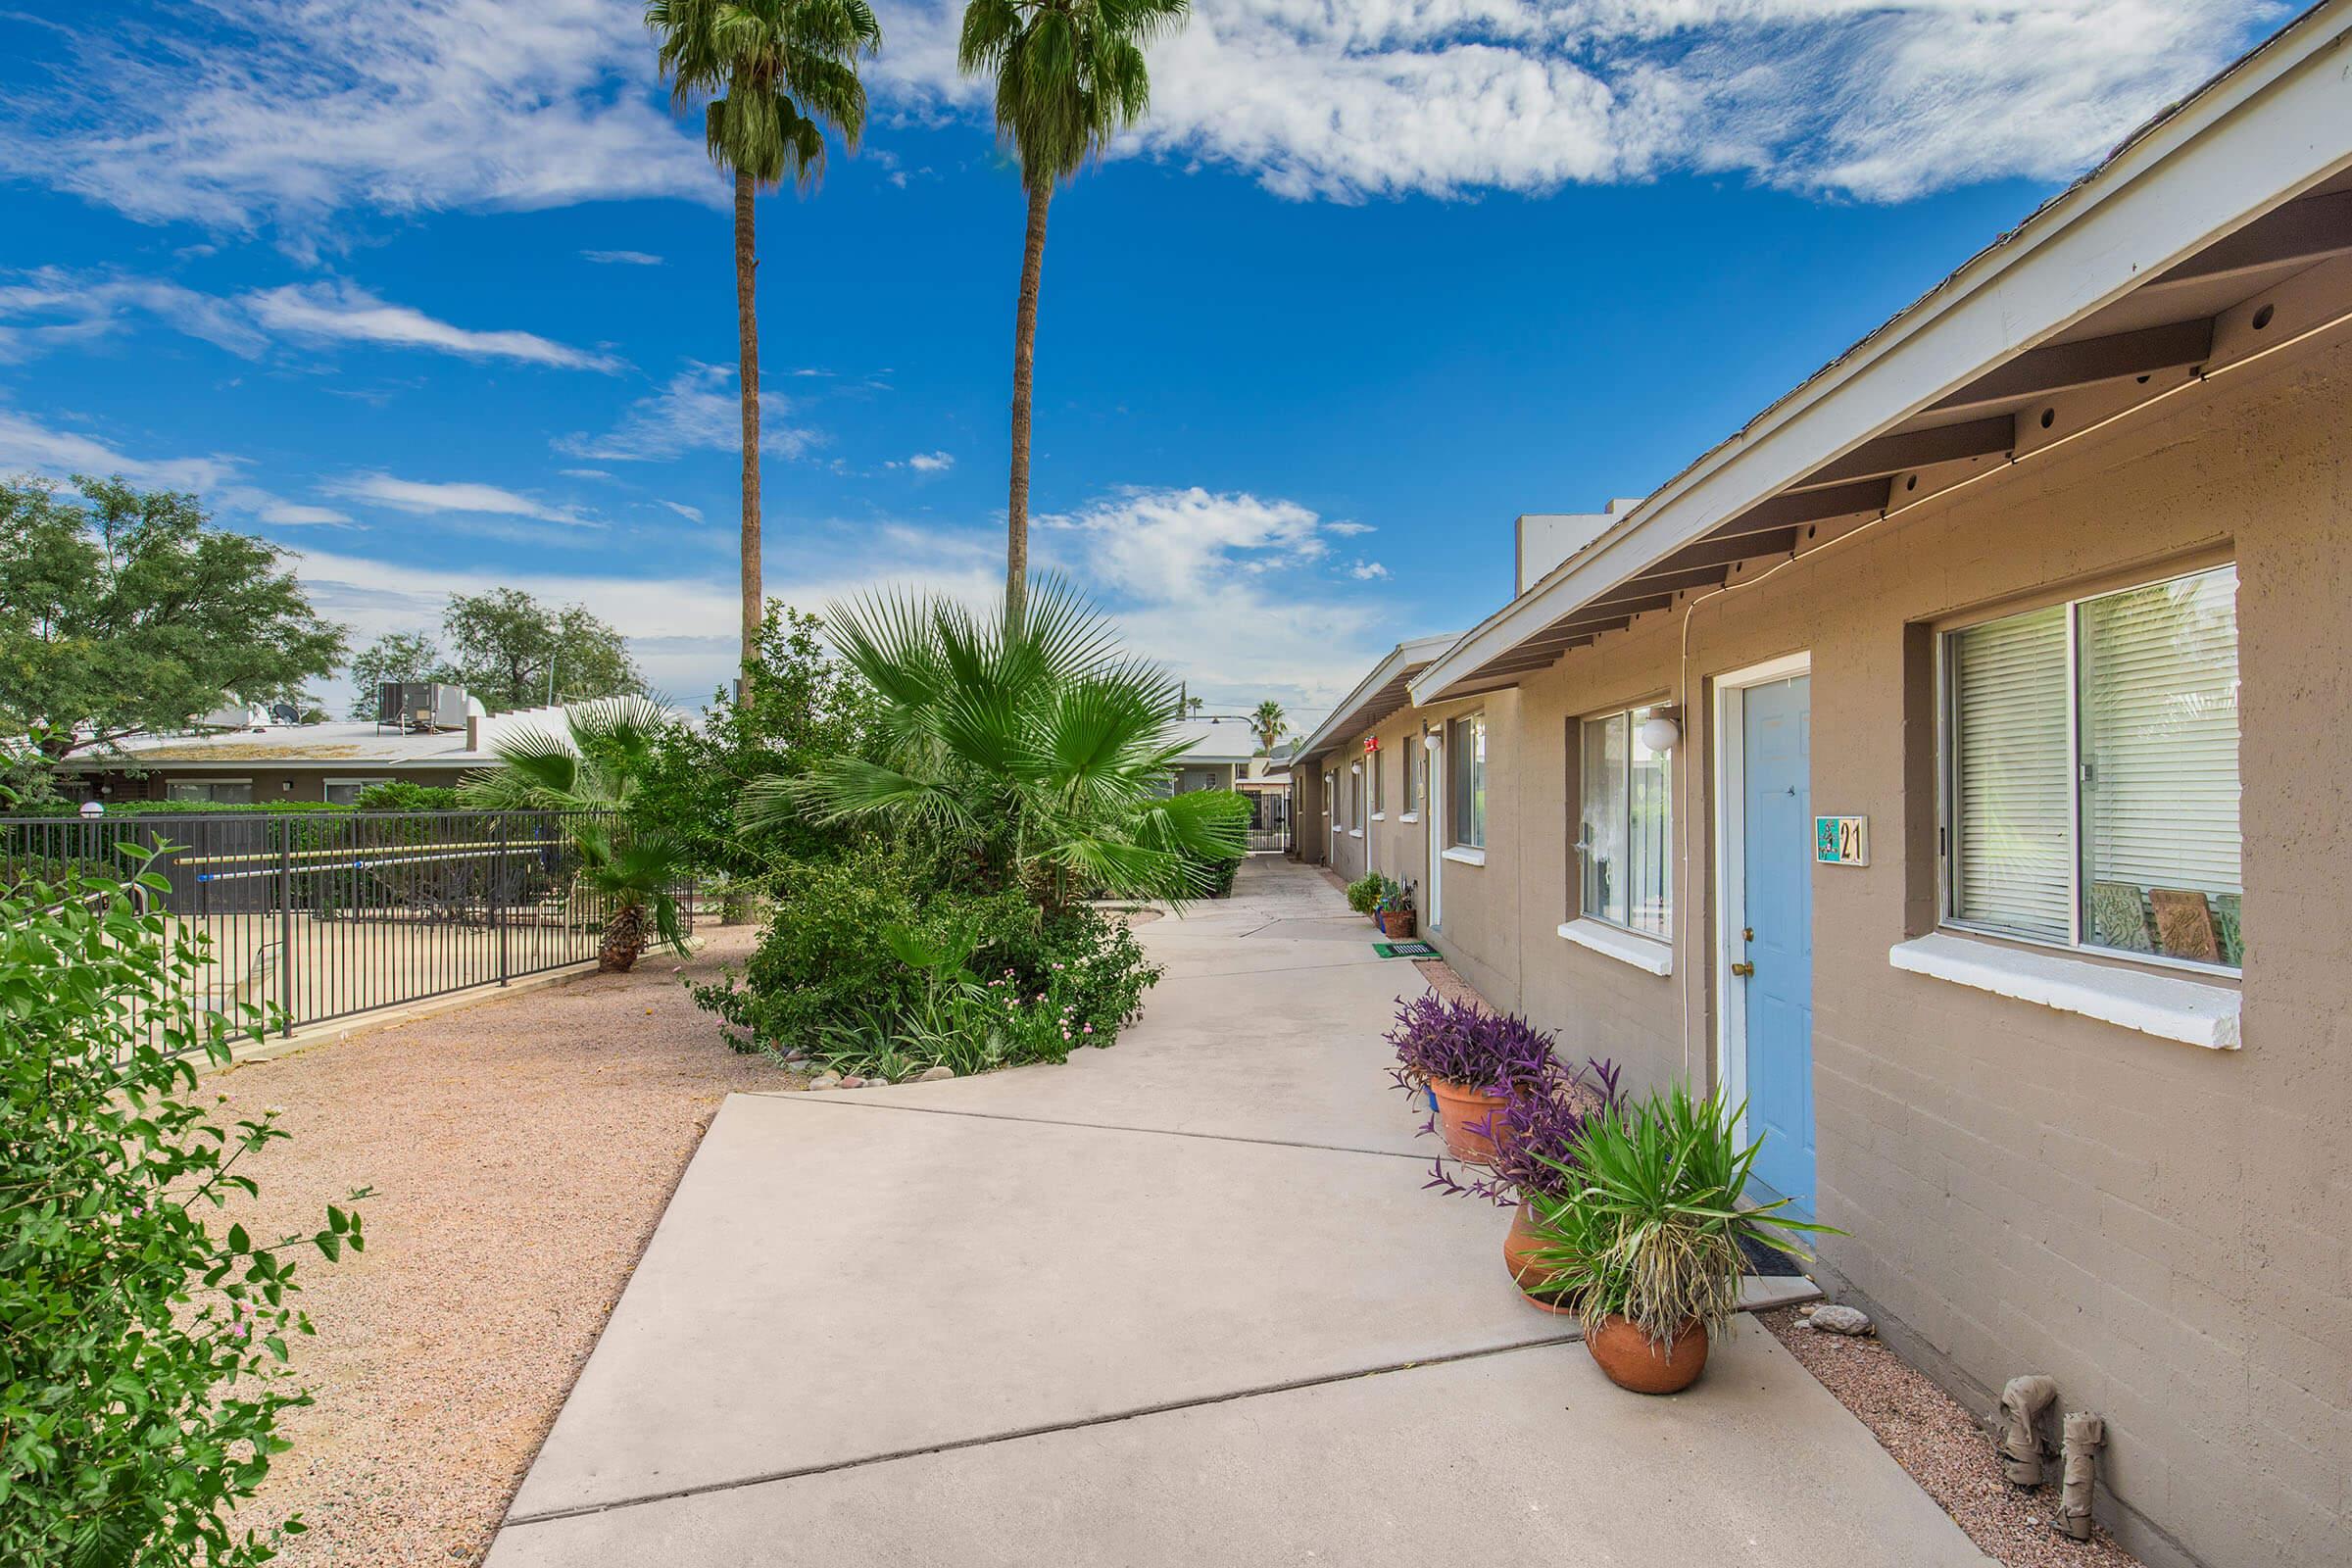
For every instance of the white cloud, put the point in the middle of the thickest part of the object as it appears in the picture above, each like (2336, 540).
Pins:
(698, 411)
(690, 513)
(293, 113)
(1221, 588)
(289, 112)
(624, 258)
(343, 313)
(932, 462)
(426, 498)
(30, 447)
(1882, 99)
(585, 474)
(50, 307)
(1367, 571)
(293, 514)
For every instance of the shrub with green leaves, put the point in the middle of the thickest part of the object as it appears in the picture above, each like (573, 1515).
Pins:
(873, 968)
(1365, 892)
(143, 1329)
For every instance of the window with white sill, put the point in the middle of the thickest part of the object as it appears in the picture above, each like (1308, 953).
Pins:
(1624, 847)
(2091, 795)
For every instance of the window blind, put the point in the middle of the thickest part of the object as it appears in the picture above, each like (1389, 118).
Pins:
(2159, 705)
(2010, 760)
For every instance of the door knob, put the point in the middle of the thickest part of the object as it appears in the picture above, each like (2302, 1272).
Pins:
(1743, 969)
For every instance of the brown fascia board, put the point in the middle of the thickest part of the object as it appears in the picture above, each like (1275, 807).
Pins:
(2058, 367)
(2307, 230)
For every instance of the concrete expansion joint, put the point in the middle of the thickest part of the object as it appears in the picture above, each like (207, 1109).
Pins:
(851, 1099)
(706, 1488)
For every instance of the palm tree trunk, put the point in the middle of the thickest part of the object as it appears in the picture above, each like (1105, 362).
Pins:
(624, 940)
(1024, 367)
(746, 333)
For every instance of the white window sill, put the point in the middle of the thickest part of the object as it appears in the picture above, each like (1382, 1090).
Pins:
(2167, 1007)
(1464, 854)
(1356, 832)
(1380, 816)
(1410, 816)
(1647, 953)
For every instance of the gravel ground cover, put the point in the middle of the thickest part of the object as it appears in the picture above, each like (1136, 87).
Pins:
(521, 1151)
(1939, 1444)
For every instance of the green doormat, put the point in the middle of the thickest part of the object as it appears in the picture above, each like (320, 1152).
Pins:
(1404, 950)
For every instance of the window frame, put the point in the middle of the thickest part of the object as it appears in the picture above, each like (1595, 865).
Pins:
(1947, 765)
(1581, 849)
(326, 785)
(1380, 791)
(251, 787)
(1460, 795)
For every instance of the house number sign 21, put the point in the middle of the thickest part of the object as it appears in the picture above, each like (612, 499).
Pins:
(1841, 840)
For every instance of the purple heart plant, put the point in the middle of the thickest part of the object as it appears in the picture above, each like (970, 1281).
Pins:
(1461, 1042)
(1536, 1133)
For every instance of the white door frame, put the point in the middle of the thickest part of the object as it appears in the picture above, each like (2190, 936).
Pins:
(1730, 863)
(1432, 821)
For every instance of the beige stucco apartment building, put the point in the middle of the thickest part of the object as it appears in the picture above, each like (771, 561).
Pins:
(1996, 847)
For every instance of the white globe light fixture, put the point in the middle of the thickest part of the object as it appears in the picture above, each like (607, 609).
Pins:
(1661, 734)
(1430, 739)
(93, 808)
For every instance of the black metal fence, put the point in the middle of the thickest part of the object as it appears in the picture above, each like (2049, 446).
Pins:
(322, 914)
(1269, 821)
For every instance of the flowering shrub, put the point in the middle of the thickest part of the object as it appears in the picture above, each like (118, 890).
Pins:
(142, 1340)
(1461, 1042)
(1536, 1133)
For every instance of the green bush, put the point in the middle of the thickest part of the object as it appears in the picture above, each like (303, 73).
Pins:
(871, 966)
(142, 1330)
(1365, 892)
(406, 794)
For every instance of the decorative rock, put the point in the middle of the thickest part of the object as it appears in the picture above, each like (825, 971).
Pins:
(932, 1075)
(852, 1081)
(824, 1080)
(1840, 1319)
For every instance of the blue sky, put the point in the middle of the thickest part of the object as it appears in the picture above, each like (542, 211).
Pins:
(437, 293)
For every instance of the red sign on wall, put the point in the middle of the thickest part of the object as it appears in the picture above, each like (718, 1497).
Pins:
(1371, 744)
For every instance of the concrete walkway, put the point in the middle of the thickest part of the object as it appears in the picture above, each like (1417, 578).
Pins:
(1182, 1301)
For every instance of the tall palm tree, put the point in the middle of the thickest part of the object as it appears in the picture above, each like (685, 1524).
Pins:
(784, 71)
(1269, 722)
(1034, 754)
(587, 773)
(1071, 75)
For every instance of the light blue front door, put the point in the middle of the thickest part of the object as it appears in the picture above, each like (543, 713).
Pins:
(1778, 829)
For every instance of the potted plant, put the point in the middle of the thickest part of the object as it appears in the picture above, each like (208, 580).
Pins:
(1536, 1133)
(1393, 910)
(1642, 1241)
(1468, 1060)
(1364, 892)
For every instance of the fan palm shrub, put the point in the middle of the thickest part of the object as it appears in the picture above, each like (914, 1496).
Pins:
(586, 774)
(1025, 752)
(784, 71)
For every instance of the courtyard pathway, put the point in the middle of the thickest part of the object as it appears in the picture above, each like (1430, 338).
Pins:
(1182, 1301)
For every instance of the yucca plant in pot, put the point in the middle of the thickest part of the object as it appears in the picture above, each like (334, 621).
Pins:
(1536, 1134)
(1393, 911)
(1644, 1241)
(1468, 1060)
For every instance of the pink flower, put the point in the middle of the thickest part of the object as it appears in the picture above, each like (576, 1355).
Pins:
(1090, 1028)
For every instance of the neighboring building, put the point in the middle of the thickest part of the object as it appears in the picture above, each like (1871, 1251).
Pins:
(254, 765)
(1993, 845)
(1216, 755)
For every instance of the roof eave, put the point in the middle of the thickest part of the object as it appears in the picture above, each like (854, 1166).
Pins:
(2083, 249)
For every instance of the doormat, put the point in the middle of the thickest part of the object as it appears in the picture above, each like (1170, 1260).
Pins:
(1404, 950)
(1762, 1259)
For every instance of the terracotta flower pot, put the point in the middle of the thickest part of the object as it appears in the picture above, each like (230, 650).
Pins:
(1519, 1247)
(1631, 1361)
(1395, 926)
(1463, 1115)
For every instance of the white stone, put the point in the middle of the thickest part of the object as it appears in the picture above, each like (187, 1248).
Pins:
(1835, 1319)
